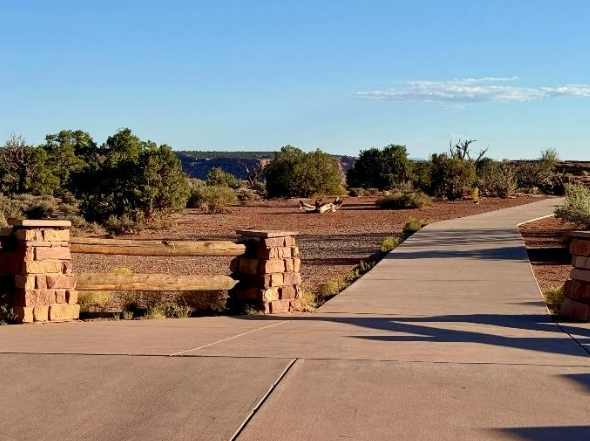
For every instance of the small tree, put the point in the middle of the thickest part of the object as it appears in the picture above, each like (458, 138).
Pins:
(132, 178)
(68, 153)
(293, 173)
(23, 169)
(383, 169)
(452, 177)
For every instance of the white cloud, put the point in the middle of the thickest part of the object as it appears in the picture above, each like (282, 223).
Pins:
(473, 90)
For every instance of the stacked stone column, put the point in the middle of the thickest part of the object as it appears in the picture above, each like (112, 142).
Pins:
(36, 266)
(576, 304)
(268, 273)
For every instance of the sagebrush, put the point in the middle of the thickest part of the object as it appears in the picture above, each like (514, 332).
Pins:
(576, 208)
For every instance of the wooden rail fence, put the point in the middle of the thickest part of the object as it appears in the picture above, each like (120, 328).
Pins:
(154, 282)
(36, 266)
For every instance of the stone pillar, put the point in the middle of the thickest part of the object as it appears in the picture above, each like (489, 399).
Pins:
(268, 273)
(36, 264)
(576, 304)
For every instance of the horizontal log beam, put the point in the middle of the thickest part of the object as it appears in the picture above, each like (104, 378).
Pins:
(152, 282)
(91, 245)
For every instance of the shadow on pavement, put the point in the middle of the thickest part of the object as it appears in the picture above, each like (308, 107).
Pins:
(555, 433)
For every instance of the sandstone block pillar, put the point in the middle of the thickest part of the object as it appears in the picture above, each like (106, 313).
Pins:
(36, 268)
(268, 273)
(576, 304)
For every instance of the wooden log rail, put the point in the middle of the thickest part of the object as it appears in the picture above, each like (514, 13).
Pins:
(89, 245)
(152, 282)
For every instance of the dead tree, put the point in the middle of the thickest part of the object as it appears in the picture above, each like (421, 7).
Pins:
(461, 151)
(252, 175)
(321, 207)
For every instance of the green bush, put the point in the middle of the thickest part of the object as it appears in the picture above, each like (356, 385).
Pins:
(412, 225)
(382, 169)
(576, 208)
(403, 200)
(212, 199)
(422, 176)
(452, 177)
(293, 173)
(217, 177)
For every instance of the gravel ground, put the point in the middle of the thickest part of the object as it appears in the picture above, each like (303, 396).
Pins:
(547, 245)
(331, 243)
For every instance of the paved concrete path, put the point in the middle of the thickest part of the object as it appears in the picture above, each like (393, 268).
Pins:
(446, 339)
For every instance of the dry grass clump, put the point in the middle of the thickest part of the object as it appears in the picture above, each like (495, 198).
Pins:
(553, 297)
(412, 225)
(211, 198)
(404, 200)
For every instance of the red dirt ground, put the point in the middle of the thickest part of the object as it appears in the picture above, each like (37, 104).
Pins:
(331, 243)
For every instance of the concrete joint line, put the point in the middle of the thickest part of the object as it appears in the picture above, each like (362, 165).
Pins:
(584, 348)
(262, 400)
(180, 353)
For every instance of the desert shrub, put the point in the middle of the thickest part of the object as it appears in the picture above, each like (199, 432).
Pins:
(309, 299)
(497, 178)
(9, 209)
(179, 310)
(451, 176)
(381, 168)
(412, 225)
(156, 311)
(540, 174)
(245, 195)
(553, 297)
(390, 243)
(357, 192)
(293, 173)
(576, 208)
(92, 301)
(403, 200)
(27, 206)
(217, 177)
(125, 224)
(330, 288)
(42, 207)
(212, 199)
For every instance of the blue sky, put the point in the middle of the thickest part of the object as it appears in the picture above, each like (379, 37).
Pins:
(336, 75)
